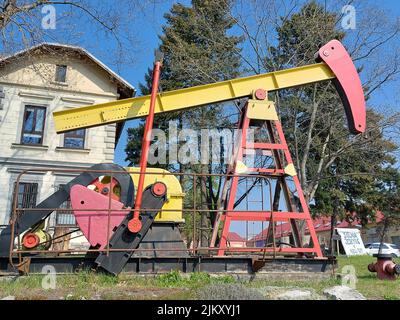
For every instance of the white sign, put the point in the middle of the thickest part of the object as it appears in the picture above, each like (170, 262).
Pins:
(351, 241)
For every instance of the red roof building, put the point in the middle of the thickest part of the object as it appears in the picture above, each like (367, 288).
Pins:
(322, 226)
(235, 240)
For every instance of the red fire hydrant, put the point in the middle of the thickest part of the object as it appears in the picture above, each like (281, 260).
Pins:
(385, 268)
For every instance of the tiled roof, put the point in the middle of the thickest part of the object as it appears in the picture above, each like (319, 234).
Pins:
(234, 237)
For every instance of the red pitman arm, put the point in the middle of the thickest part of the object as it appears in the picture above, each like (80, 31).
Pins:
(347, 83)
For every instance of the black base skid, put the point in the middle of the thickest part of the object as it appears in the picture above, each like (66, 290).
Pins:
(151, 265)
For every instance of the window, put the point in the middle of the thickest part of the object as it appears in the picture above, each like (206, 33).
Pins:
(26, 195)
(75, 139)
(33, 125)
(377, 245)
(65, 217)
(61, 73)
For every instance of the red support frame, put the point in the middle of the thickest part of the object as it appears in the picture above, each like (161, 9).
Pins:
(278, 172)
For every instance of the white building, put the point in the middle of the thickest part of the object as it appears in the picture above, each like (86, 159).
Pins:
(33, 84)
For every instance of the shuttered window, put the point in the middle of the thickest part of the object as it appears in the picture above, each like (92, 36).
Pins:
(26, 195)
(61, 73)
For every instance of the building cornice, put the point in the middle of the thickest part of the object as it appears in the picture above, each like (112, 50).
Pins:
(51, 164)
(35, 95)
(55, 89)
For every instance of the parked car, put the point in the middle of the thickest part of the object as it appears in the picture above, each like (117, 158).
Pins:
(387, 248)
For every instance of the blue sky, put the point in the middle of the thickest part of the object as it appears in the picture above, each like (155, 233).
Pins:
(150, 25)
(146, 25)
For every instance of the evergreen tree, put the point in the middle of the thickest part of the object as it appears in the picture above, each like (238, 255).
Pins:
(197, 50)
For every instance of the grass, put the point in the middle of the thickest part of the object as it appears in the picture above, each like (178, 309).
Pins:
(195, 280)
(174, 285)
(367, 283)
(86, 285)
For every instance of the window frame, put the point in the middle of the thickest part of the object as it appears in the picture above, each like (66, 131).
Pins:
(30, 198)
(377, 245)
(67, 214)
(71, 135)
(41, 133)
(58, 67)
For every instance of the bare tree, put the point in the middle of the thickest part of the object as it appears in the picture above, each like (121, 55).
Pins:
(106, 26)
(376, 30)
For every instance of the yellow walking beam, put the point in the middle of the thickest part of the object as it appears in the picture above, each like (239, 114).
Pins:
(121, 110)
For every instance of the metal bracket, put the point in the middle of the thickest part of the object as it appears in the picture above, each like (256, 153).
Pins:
(24, 266)
(261, 110)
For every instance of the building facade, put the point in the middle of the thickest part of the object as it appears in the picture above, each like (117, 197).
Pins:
(33, 84)
(234, 240)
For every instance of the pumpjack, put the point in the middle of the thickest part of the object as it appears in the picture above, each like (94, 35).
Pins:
(136, 212)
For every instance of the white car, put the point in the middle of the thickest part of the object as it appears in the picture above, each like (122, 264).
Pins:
(387, 248)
